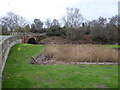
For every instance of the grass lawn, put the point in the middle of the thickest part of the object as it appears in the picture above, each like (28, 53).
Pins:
(111, 46)
(18, 73)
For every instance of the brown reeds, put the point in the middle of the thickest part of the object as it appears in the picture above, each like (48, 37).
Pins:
(82, 53)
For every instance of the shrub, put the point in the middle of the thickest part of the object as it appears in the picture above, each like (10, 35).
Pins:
(55, 31)
(41, 37)
(74, 34)
(108, 34)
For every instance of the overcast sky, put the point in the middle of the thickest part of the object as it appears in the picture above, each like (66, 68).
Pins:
(43, 9)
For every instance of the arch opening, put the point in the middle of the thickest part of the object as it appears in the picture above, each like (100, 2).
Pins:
(32, 41)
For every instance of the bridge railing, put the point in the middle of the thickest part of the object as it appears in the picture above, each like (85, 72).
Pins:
(16, 33)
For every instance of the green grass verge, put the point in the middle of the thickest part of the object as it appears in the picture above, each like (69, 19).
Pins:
(18, 73)
(111, 46)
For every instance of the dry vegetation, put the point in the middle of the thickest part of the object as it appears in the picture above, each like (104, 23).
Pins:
(81, 53)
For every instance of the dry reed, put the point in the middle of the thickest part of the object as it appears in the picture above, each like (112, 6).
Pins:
(82, 53)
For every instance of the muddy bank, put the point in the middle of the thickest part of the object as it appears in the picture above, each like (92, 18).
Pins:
(47, 60)
(75, 54)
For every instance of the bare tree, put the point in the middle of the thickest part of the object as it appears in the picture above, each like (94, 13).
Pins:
(73, 18)
(27, 28)
(37, 25)
(55, 22)
(102, 21)
(114, 20)
(93, 23)
(104, 31)
(12, 21)
(48, 23)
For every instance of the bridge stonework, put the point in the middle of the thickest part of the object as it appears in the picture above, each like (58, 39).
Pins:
(26, 37)
(5, 47)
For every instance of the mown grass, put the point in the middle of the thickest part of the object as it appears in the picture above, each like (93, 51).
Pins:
(18, 73)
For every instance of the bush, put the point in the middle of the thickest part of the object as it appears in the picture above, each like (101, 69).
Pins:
(38, 31)
(108, 34)
(42, 31)
(74, 34)
(55, 31)
(41, 37)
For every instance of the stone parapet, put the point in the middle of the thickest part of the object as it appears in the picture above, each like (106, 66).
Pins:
(5, 47)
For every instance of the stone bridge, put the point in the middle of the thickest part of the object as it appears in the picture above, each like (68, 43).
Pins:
(32, 38)
(7, 43)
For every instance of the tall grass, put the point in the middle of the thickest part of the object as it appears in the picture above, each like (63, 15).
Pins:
(82, 53)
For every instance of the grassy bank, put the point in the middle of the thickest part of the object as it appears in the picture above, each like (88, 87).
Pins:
(18, 73)
(111, 46)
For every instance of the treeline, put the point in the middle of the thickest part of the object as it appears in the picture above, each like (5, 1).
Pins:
(73, 27)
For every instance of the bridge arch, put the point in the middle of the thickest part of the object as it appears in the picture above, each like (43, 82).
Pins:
(29, 39)
(32, 41)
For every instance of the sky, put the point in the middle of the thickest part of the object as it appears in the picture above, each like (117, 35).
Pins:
(43, 9)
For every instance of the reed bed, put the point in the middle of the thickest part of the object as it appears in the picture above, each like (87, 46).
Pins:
(81, 53)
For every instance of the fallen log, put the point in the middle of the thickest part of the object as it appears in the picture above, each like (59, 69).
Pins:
(34, 59)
